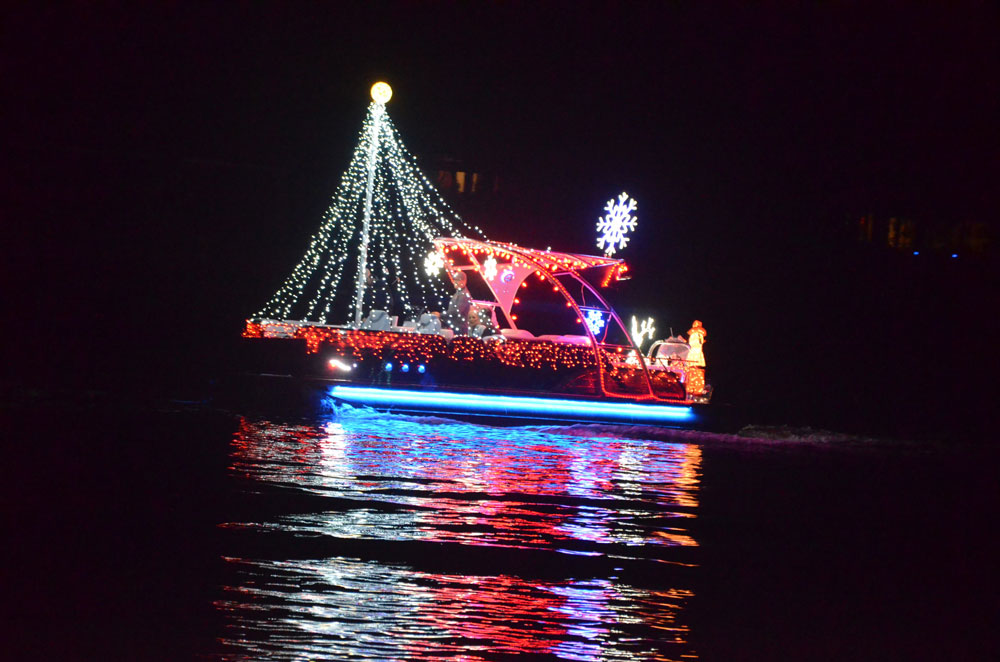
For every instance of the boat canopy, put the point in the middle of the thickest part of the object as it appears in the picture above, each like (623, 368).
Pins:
(504, 268)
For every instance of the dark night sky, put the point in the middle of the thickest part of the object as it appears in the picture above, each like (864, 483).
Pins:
(165, 165)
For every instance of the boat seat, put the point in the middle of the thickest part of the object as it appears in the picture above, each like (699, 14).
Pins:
(377, 320)
(517, 334)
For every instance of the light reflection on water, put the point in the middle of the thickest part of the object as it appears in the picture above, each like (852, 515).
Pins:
(437, 540)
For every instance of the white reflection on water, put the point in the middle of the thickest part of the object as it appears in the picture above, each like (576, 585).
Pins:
(434, 499)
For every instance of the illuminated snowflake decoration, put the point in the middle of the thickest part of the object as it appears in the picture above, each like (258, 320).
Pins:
(433, 263)
(595, 321)
(617, 222)
(640, 331)
(490, 268)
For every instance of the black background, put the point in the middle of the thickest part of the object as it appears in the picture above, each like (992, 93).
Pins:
(165, 165)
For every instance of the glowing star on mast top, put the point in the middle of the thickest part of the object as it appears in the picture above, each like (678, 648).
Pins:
(616, 223)
(381, 93)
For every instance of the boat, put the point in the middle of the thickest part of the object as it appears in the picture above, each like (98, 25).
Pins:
(538, 342)
(526, 336)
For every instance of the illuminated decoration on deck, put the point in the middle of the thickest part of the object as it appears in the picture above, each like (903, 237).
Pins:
(433, 263)
(595, 321)
(695, 384)
(641, 331)
(368, 250)
(490, 268)
(616, 223)
(696, 338)
(507, 405)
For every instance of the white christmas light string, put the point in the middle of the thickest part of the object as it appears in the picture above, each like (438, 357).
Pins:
(405, 214)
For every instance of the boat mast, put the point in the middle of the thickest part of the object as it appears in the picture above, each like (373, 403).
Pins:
(381, 93)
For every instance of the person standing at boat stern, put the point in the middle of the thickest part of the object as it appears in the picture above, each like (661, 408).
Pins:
(457, 315)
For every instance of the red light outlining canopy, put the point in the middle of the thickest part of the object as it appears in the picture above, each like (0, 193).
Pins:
(622, 370)
(522, 262)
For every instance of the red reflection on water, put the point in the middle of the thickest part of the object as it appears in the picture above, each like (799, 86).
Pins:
(375, 611)
(490, 488)
(474, 486)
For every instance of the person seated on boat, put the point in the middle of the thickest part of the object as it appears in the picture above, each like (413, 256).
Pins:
(481, 322)
(457, 316)
(428, 323)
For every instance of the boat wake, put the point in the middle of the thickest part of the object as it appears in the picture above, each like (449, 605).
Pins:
(747, 435)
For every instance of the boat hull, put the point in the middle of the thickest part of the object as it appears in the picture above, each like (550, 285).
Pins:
(513, 407)
(513, 382)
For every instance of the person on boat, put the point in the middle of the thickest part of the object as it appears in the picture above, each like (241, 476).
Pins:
(392, 295)
(480, 322)
(457, 315)
(369, 298)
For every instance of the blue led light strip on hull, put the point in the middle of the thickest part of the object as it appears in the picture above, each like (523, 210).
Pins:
(510, 405)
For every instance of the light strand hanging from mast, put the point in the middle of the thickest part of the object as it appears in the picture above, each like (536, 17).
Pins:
(380, 94)
(384, 192)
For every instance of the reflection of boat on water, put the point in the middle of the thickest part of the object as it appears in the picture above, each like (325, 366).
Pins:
(534, 339)
(387, 538)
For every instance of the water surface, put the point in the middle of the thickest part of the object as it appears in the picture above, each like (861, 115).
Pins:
(183, 532)
(435, 539)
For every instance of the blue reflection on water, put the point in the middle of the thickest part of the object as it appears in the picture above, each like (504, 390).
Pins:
(431, 539)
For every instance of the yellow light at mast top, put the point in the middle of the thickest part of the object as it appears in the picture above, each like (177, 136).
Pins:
(381, 92)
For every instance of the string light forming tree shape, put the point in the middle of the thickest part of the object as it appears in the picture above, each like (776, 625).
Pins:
(378, 230)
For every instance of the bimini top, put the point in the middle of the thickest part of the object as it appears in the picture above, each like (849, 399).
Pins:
(552, 261)
(503, 268)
